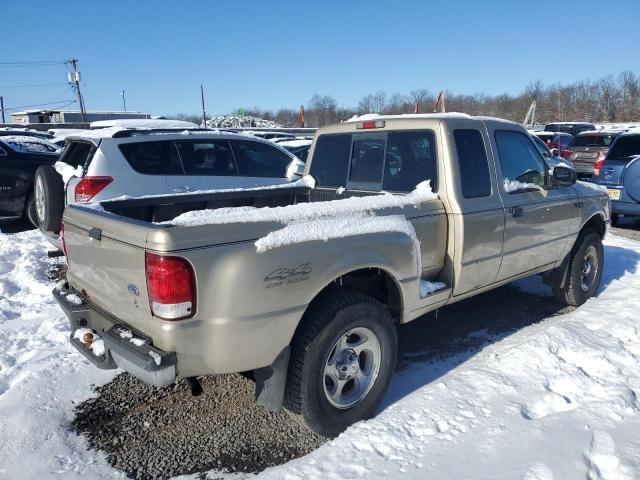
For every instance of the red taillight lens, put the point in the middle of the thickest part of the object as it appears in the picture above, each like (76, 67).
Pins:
(551, 145)
(370, 124)
(171, 287)
(597, 166)
(62, 242)
(565, 152)
(89, 187)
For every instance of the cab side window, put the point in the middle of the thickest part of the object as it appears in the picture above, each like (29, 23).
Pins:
(474, 167)
(523, 168)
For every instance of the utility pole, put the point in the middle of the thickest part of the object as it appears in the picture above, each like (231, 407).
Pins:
(2, 107)
(204, 113)
(124, 102)
(74, 78)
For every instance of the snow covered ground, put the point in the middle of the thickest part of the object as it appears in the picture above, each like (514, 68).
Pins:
(555, 400)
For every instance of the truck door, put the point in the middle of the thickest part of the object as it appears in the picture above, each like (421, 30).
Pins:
(476, 212)
(537, 217)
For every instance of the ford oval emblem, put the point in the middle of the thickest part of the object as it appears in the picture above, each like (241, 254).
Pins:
(133, 290)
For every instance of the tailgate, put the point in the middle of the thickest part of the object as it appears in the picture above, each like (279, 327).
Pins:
(106, 260)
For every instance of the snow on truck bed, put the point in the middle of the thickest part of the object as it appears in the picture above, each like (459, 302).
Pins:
(555, 400)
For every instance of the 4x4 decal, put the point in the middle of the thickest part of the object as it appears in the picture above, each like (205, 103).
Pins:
(287, 276)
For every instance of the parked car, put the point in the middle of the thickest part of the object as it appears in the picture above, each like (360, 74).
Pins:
(557, 140)
(620, 173)
(20, 157)
(269, 135)
(24, 132)
(299, 147)
(552, 157)
(572, 128)
(587, 148)
(305, 286)
(113, 162)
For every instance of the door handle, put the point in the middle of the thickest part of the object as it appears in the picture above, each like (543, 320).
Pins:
(517, 211)
(181, 189)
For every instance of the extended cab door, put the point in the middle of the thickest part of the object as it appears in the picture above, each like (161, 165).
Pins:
(475, 208)
(537, 216)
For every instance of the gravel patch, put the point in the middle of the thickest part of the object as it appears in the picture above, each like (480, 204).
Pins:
(158, 433)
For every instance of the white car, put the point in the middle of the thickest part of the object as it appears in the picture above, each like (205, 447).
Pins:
(114, 162)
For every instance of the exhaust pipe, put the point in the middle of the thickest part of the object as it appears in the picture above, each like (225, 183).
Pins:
(194, 385)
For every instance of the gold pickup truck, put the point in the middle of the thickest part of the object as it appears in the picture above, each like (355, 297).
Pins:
(304, 285)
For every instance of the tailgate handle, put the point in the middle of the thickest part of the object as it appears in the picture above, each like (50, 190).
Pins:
(95, 233)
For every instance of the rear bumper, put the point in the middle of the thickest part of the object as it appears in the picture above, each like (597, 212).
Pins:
(625, 208)
(149, 364)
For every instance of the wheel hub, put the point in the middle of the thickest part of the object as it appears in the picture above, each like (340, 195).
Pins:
(347, 364)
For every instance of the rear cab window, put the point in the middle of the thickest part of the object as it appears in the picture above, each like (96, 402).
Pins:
(474, 166)
(394, 161)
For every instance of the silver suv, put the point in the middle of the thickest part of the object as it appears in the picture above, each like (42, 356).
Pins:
(115, 162)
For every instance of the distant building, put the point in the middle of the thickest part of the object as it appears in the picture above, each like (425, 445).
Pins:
(71, 116)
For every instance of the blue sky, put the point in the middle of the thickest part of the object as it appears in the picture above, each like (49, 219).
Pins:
(275, 54)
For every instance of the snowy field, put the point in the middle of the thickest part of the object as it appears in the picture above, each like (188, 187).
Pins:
(555, 400)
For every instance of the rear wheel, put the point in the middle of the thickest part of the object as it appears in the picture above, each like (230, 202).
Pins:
(49, 198)
(584, 271)
(342, 360)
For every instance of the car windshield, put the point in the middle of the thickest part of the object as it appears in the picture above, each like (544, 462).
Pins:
(625, 147)
(592, 141)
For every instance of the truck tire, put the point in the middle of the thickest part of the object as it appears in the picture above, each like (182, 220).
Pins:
(584, 271)
(49, 198)
(342, 359)
(30, 211)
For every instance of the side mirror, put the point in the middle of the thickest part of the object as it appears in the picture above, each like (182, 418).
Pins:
(555, 152)
(564, 176)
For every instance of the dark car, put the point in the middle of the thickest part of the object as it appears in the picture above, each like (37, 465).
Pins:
(20, 157)
(24, 132)
(299, 147)
(587, 148)
(572, 128)
(620, 173)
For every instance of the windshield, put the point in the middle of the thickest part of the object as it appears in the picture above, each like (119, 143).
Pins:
(593, 140)
(624, 147)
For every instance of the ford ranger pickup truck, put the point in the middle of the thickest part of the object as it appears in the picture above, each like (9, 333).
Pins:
(303, 286)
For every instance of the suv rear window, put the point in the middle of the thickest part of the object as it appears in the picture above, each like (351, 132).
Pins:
(624, 147)
(76, 153)
(257, 159)
(592, 141)
(151, 158)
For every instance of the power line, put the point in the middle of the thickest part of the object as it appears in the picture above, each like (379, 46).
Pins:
(31, 64)
(33, 85)
(66, 103)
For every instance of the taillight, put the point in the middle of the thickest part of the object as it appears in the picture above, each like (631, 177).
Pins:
(552, 145)
(62, 242)
(597, 166)
(89, 187)
(565, 152)
(171, 287)
(370, 124)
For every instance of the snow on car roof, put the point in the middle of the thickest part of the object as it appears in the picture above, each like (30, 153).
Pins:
(300, 142)
(28, 144)
(143, 123)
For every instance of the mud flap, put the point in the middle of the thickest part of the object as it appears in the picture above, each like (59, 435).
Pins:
(559, 274)
(271, 382)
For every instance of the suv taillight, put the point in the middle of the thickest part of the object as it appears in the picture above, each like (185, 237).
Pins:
(89, 187)
(597, 166)
(171, 287)
(565, 152)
